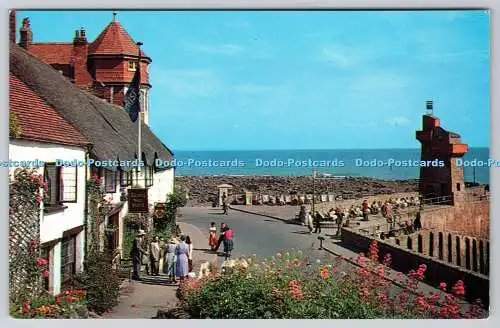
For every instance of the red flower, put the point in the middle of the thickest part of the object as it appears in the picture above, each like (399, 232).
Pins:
(361, 259)
(387, 259)
(41, 261)
(442, 286)
(324, 273)
(26, 306)
(459, 288)
(45, 273)
(380, 271)
(277, 292)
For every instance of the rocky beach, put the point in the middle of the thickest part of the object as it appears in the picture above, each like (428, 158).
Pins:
(202, 190)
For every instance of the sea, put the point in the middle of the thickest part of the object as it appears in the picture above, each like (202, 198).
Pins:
(387, 164)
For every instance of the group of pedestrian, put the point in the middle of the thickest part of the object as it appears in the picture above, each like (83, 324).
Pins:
(225, 238)
(174, 258)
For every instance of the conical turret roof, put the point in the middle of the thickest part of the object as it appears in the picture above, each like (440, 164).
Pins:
(115, 40)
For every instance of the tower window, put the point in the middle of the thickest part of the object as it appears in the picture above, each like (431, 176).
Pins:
(458, 186)
(131, 65)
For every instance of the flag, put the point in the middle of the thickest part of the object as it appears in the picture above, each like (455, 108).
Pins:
(132, 97)
(429, 104)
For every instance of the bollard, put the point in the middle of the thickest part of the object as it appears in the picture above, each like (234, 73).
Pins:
(321, 238)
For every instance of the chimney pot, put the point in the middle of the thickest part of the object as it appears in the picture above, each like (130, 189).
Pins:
(26, 36)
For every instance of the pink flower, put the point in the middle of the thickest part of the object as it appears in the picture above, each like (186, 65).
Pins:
(380, 270)
(442, 286)
(45, 273)
(41, 261)
(459, 288)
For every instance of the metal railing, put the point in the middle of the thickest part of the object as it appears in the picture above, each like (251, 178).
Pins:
(439, 200)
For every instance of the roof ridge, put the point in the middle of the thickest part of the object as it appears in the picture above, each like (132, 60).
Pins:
(50, 43)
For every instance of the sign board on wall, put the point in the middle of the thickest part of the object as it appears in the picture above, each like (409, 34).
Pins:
(138, 200)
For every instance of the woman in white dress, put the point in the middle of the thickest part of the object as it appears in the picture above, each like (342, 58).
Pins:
(309, 221)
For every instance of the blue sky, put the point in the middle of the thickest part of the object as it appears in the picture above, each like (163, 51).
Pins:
(302, 80)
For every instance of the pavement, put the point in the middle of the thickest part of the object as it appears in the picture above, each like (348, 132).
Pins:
(142, 299)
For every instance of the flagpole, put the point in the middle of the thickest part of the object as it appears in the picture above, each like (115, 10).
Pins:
(139, 133)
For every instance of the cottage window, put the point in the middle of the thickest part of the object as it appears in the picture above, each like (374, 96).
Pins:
(110, 181)
(68, 258)
(52, 177)
(69, 184)
(61, 184)
(125, 178)
(148, 176)
(131, 65)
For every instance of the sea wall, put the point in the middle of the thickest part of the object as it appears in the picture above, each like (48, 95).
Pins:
(202, 190)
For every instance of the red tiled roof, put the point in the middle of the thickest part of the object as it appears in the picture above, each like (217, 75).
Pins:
(39, 121)
(114, 40)
(52, 52)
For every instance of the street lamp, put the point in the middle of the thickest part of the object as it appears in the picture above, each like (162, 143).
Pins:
(314, 191)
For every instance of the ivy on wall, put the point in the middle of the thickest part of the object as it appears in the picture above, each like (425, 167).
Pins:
(14, 127)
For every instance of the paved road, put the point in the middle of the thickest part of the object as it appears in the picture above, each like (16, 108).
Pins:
(255, 234)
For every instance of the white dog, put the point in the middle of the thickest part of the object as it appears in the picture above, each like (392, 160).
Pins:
(204, 270)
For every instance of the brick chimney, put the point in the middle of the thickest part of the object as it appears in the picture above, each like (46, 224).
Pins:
(26, 34)
(12, 26)
(79, 60)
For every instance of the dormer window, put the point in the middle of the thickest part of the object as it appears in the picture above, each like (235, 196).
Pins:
(132, 65)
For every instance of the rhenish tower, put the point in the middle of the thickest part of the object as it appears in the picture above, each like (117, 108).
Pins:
(446, 183)
(104, 67)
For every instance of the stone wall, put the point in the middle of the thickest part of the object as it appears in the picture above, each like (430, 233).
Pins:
(467, 218)
(405, 259)
(465, 251)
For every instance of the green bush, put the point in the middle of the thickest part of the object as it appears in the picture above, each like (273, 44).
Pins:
(100, 281)
(128, 239)
(289, 287)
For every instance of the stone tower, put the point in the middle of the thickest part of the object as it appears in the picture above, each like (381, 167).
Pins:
(112, 60)
(104, 67)
(444, 184)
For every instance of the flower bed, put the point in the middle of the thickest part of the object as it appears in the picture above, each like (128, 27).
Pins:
(69, 304)
(287, 286)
